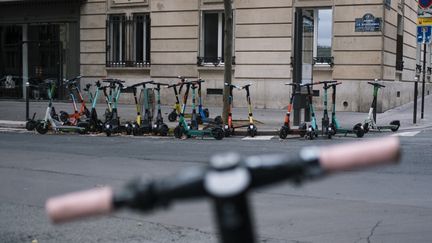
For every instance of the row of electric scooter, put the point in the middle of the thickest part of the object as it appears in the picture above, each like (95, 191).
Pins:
(84, 121)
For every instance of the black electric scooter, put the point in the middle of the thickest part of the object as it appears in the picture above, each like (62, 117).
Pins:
(326, 129)
(312, 129)
(112, 120)
(286, 128)
(94, 123)
(159, 127)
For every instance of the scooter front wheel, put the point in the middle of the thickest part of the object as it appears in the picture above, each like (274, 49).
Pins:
(178, 131)
(252, 131)
(283, 132)
(163, 130)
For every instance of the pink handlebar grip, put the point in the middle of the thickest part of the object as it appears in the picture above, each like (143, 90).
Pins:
(79, 204)
(362, 154)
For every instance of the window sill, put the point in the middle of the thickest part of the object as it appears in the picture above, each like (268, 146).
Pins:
(322, 67)
(128, 68)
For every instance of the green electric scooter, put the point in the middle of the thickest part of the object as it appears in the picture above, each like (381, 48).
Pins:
(326, 129)
(336, 128)
(312, 129)
(183, 128)
(143, 122)
(369, 123)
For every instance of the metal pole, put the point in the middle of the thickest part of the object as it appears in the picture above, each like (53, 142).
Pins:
(27, 98)
(415, 100)
(25, 70)
(424, 79)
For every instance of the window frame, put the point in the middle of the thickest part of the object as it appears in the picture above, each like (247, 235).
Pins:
(128, 26)
(221, 28)
(321, 60)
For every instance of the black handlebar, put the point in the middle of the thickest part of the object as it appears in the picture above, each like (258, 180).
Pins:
(141, 83)
(375, 84)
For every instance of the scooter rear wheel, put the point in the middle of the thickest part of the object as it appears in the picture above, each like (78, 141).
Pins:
(218, 133)
(31, 125)
(302, 129)
(42, 127)
(84, 127)
(358, 130)
(395, 125)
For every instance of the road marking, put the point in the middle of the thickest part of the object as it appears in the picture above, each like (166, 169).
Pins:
(8, 129)
(258, 138)
(405, 134)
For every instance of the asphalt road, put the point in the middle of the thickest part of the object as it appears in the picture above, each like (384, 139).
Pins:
(386, 204)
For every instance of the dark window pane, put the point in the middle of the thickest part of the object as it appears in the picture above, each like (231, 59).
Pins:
(139, 38)
(211, 36)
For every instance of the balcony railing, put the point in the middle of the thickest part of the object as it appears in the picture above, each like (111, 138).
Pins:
(324, 60)
(215, 61)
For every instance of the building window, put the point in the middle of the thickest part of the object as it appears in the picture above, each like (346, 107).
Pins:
(212, 39)
(128, 41)
(323, 32)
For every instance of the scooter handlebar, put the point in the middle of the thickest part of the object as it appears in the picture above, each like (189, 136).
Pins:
(142, 83)
(376, 84)
(264, 170)
(79, 204)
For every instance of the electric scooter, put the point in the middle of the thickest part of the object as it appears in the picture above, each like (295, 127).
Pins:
(286, 128)
(75, 117)
(203, 114)
(177, 107)
(183, 128)
(312, 130)
(336, 128)
(142, 124)
(370, 123)
(326, 129)
(94, 123)
(112, 120)
(229, 128)
(159, 128)
(51, 120)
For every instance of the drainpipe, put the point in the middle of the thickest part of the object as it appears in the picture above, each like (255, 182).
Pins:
(383, 41)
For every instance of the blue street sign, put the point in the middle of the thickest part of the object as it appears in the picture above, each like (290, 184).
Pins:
(424, 34)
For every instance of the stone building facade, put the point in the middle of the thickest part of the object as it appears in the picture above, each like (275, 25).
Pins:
(346, 40)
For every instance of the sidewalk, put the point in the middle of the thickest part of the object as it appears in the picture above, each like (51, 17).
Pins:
(12, 114)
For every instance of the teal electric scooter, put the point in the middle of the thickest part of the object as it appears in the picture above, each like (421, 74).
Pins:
(312, 129)
(191, 130)
(336, 128)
